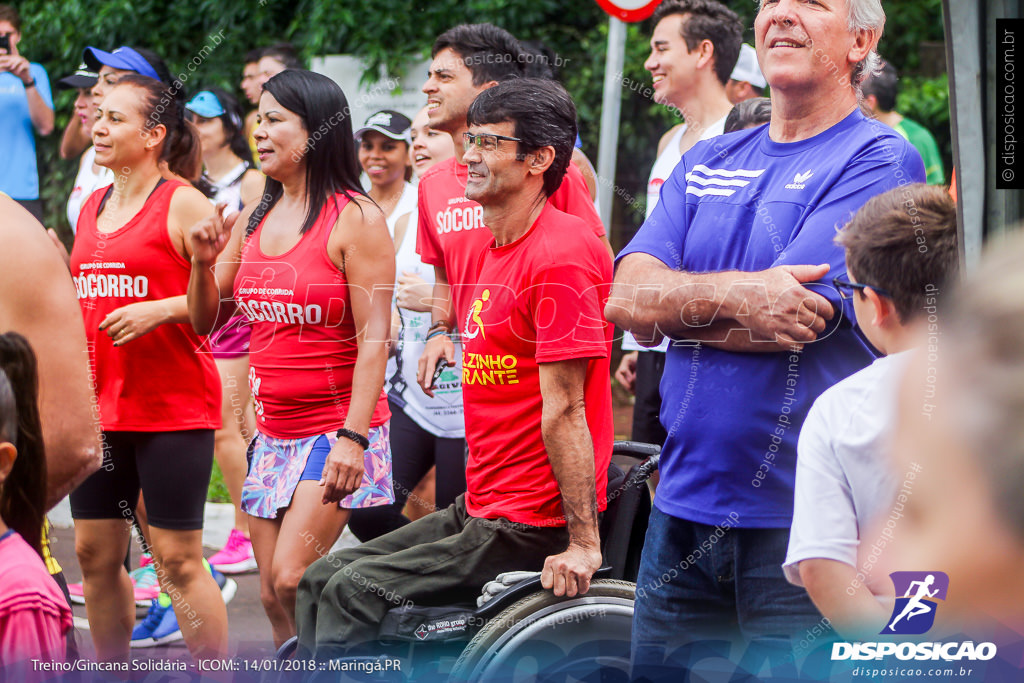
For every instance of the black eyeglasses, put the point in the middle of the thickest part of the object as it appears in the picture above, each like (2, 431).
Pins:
(488, 142)
(847, 288)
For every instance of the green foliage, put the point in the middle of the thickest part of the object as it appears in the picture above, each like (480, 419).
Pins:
(926, 101)
(909, 23)
(217, 491)
(392, 35)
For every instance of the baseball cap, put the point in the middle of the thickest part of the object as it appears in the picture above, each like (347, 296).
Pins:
(206, 104)
(84, 77)
(123, 57)
(389, 123)
(747, 68)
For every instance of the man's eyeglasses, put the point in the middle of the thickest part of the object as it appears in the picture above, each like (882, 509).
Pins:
(847, 288)
(488, 142)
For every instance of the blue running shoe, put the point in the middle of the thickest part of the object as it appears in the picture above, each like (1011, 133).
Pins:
(227, 586)
(160, 626)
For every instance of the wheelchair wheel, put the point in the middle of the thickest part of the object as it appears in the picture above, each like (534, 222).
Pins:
(542, 637)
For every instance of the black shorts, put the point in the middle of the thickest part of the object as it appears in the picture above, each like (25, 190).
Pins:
(171, 468)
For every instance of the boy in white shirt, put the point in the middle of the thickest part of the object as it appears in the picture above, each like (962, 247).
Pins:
(900, 251)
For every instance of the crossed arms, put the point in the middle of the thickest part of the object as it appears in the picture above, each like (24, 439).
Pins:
(764, 311)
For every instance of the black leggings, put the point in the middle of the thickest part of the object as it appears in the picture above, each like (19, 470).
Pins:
(414, 451)
(171, 468)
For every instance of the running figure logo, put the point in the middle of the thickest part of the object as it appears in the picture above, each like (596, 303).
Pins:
(914, 612)
(474, 317)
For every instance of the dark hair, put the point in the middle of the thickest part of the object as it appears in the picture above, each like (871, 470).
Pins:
(904, 241)
(539, 60)
(160, 106)
(160, 67)
(284, 53)
(233, 119)
(332, 164)
(752, 112)
(490, 53)
(884, 85)
(708, 20)
(543, 113)
(8, 13)
(23, 495)
(253, 56)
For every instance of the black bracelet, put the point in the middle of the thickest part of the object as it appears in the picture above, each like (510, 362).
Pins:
(440, 325)
(354, 436)
(32, 84)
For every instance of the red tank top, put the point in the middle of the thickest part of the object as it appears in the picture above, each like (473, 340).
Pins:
(303, 346)
(157, 382)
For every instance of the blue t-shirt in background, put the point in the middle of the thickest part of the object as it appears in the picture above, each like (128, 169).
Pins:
(19, 176)
(743, 202)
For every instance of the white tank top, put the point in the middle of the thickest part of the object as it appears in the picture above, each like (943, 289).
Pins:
(406, 203)
(662, 169)
(228, 190)
(86, 182)
(441, 415)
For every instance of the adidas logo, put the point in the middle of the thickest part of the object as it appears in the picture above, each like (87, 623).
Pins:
(799, 181)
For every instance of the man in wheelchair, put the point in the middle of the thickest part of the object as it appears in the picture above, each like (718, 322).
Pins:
(537, 395)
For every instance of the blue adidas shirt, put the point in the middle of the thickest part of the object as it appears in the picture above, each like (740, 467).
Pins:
(743, 202)
(19, 176)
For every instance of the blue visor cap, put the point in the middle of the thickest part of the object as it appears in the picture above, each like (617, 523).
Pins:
(121, 58)
(205, 104)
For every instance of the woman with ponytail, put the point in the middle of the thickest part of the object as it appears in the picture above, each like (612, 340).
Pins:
(34, 616)
(311, 267)
(159, 400)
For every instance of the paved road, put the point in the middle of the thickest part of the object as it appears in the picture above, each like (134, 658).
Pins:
(249, 630)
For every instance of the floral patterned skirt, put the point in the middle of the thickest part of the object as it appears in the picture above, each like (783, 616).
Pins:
(276, 465)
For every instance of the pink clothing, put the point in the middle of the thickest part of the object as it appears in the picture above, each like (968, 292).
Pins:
(34, 616)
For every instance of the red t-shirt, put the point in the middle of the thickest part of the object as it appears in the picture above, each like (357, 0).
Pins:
(451, 231)
(158, 382)
(303, 347)
(539, 300)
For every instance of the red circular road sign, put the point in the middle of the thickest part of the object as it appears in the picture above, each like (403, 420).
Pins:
(629, 10)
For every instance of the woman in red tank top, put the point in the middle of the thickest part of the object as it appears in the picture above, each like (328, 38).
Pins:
(158, 399)
(311, 267)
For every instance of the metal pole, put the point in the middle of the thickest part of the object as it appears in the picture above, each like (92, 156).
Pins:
(610, 106)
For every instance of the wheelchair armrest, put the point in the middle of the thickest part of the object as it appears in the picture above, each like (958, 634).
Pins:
(635, 449)
(521, 590)
(287, 649)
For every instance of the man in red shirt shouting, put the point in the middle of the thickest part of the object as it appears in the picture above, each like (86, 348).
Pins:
(536, 387)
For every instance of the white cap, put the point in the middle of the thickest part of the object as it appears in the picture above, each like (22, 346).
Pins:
(747, 68)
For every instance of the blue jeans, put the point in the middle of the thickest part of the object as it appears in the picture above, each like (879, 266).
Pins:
(704, 588)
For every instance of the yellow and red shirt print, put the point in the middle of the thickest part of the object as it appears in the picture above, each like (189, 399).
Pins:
(537, 300)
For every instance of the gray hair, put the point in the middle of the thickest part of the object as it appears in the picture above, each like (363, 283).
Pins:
(983, 350)
(865, 15)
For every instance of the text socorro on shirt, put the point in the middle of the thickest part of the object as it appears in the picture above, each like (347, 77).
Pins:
(102, 285)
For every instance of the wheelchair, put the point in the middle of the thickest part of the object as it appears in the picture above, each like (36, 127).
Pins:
(525, 633)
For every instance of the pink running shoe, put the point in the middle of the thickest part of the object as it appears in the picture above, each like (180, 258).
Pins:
(77, 593)
(145, 584)
(145, 581)
(236, 556)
